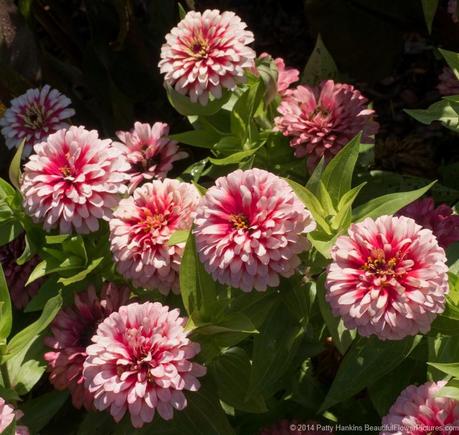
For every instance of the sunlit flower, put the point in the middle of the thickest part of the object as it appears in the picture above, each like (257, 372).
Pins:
(388, 278)
(140, 363)
(35, 115)
(73, 180)
(442, 222)
(206, 53)
(418, 410)
(7, 415)
(448, 83)
(149, 151)
(249, 230)
(16, 276)
(141, 228)
(72, 330)
(321, 120)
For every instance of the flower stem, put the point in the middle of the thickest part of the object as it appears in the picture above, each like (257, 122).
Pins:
(5, 376)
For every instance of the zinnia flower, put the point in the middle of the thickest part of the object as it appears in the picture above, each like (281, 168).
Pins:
(149, 151)
(7, 415)
(448, 83)
(249, 230)
(418, 411)
(16, 276)
(141, 228)
(205, 53)
(452, 9)
(285, 75)
(321, 120)
(72, 180)
(442, 222)
(35, 115)
(72, 330)
(140, 363)
(388, 277)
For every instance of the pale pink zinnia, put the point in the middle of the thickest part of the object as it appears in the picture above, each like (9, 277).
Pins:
(35, 115)
(419, 411)
(321, 120)
(140, 363)
(71, 331)
(285, 75)
(7, 415)
(206, 53)
(388, 278)
(141, 228)
(73, 180)
(448, 83)
(442, 222)
(149, 151)
(250, 229)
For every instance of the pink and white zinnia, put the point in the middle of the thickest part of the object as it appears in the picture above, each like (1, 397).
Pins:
(73, 180)
(140, 363)
(149, 151)
(321, 120)
(250, 229)
(35, 115)
(141, 228)
(7, 415)
(418, 410)
(206, 53)
(388, 278)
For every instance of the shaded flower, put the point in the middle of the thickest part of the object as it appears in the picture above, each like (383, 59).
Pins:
(249, 230)
(418, 411)
(140, 363)
(72, 330)
(442, 222)
(73, 180)
(141, 228)
(206, 53)
(448, 83)
(16, 275)
(35, 115)
(149, 151)
(321, 120)
(388, 278)
(7, 415)
(452, 9)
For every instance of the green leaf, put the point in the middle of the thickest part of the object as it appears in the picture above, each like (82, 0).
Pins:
(451, 390)
(49, 289)
(344, 216)
(197, 138)
(452, 59)
(342, 337)
(6, 189)
(231, 372)
(178, 236)
(337, 175)
(234, 158)
(51, 265)
(299, 297)
(182, 11)
(232, 322)
(6, 316)
(80, 276)
(367, 361)
(388, 204)
(451, 369)
(447, 323)
(9, 231)
(429, 8)
(313, 184)
(198, 289)
(24, 337)
(184, 106)
(320, 65)
(15, 166)
(39, 411)
(439, 111)
(273, 351)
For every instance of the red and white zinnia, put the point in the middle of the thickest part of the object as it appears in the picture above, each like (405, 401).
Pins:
(72, 180)
(141, 228)
(250, 229)
(140, 363)
(206, 53)
(388, 278)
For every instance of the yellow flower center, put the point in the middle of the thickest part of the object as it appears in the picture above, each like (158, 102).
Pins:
(239, 221)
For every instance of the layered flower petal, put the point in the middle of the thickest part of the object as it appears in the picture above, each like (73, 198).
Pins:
(7, 415)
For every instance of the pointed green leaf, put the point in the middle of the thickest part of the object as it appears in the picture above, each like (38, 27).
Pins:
(178, 236)
(451, 369)
(429, 8)
(452, 59)
(6, 316)
(320, 65)
(15, 166)
(197, 138)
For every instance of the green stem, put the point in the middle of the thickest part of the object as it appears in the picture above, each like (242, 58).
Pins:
(5, 376)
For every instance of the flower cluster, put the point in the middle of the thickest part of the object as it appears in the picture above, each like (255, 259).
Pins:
(320, 120)
(7, 415)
